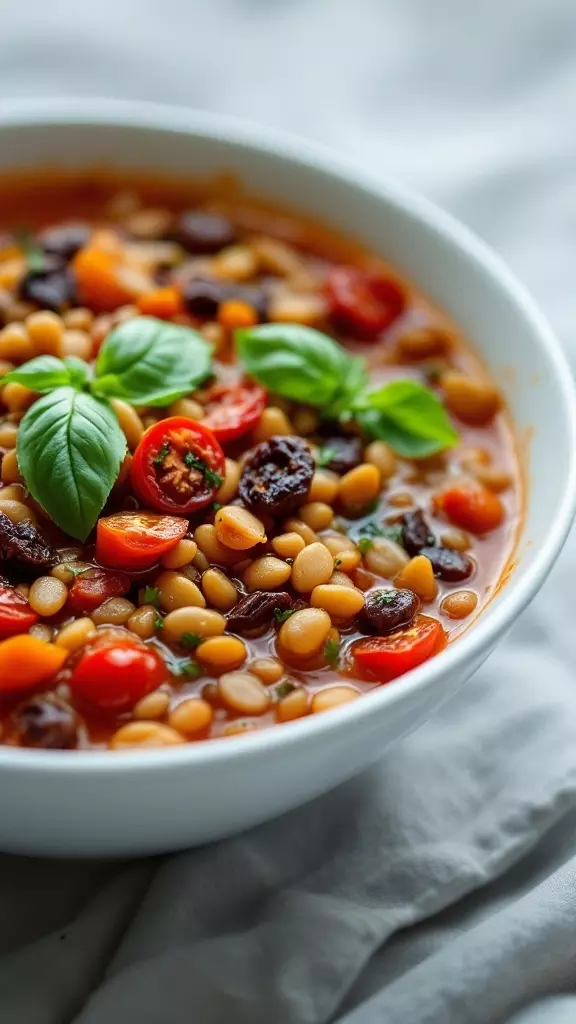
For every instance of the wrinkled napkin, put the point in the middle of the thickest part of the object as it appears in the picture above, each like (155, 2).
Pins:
(439, 887)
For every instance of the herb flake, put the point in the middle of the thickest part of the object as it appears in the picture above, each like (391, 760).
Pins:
(332, 652)
(152, 596)
(283, 689)
(281, 616)
(211, 477)
(162, 453)
(191, 640)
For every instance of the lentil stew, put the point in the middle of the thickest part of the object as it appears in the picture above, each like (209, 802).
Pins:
(248, 471)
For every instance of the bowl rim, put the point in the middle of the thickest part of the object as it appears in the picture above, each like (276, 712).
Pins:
(104, 112)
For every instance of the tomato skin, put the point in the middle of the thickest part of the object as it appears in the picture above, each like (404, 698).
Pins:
(363, 303)
(233, 409)
(90, 590)
(137, 540)
(16, 615)
(184, 437)
(114, 673)
(387, 657)
(473, 508)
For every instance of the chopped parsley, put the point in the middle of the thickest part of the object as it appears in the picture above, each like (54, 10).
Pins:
(392, 531)
(33, 253)
(191, 640)
(365, 543)
(281, 616)
(216, 506)
(384, 597)
(211, 477)
(191, 669)
(78, 572)
(152, 596)
(325, 456)
(332, 652)
(158, 623)
(162, 453)
(283, 689)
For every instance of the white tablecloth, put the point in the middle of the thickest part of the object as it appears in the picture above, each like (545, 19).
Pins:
(440, 887)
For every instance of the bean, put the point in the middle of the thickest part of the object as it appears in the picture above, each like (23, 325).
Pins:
(347, 561)
(381, 455)
(229, 488)
(187, 407)
(385, 558)
(237, 528)
(294, 705)
(332, 696)
(305, 632)
(78, 319)
(340, 579)
(182, 554)
(475, 402)
(266, 573)
(130, 422)
(10, 472)
(116, 611)
(153, 705)
(243, 692)
(46, 333)
(76, 634)
(459, 604)
(47, 595)
(418, 576)
(301, 528)
(8, 435)
(216, 552)
(268, 670)
(15, 345)
(143, 621)
(78, 344)
(401, 499)
(288, 545)
(324, 486)
(178, 592)
(312, 566)
(191, 717)
(496, 480)
(200, 562)
(305, 420)
(41, 631)
(317, 515)
(423, 343)
(456, 540)
(272, 422)
(222, 653)
(198, 621)
(219, 590)
(238, 728)
(144, 734)
(360, 486)
(341, 602)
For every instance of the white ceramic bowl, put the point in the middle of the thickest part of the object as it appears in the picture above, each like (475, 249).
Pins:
(72, 803)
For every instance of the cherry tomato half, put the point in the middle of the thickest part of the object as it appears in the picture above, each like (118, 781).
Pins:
(95, 586)
(137, 540)
(178, 466)
(115, 673)
(363, 304)
(387, 657)
(16, 615)
(233, 409)
(473, 508)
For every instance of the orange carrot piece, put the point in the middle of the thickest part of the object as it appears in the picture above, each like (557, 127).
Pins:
(164, 303)
(26, 661)
(473, 508)
(102, 284)
(236, 313)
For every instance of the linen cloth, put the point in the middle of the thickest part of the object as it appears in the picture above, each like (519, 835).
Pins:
(439, 887)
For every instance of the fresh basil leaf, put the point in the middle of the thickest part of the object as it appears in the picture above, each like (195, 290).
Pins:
(300, 363)
(69, 451)
(150, 362)
(43, 374)
(78, 371)
(408, 416)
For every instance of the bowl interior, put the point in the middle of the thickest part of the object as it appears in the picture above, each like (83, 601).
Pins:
(448, 263)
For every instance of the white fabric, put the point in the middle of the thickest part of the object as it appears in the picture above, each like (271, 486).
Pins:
(439, 887)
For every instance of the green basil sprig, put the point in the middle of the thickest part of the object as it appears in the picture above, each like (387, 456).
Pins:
(70, 445)
(306, 366)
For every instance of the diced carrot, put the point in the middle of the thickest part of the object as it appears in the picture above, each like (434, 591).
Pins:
(473, 508)
(26, 661)
(104, 281)
(164, 303)
(234, 313)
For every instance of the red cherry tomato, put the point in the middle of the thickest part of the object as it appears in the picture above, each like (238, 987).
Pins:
(137, 540)
(178, 466)
(16, 615)
(95, 586)
(361, 303)
(115, 673)
(473, 508)
(233, 409)
(389, 656)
